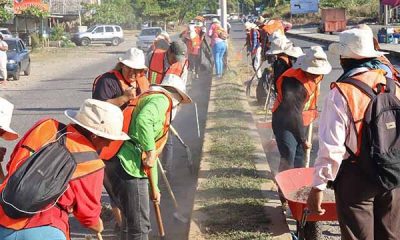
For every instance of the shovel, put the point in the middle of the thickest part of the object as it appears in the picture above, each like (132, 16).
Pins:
(307, 155)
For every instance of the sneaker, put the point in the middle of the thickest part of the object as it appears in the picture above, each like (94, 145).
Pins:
(197, 76)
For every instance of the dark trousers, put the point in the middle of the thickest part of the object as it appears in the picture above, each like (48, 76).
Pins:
(194, 63)
(365, 211)
(291, 151)
(168, 153)
(133, 198)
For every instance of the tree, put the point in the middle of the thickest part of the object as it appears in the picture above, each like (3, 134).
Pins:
(6, 10)
(110, 12)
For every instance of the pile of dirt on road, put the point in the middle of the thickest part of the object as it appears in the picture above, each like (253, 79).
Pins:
(301, 195)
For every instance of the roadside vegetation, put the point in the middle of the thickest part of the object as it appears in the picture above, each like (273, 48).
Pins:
(230, 195)
(356, 11)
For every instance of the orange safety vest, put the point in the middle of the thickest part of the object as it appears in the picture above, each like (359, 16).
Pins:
(272, 26)
(156, 67)
(357, 100)
(310, 112)
(193, 44)
(41, 133)
(142, 83)
(109, 152)
(122, 83)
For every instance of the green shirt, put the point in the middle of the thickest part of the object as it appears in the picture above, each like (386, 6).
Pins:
(146, 127)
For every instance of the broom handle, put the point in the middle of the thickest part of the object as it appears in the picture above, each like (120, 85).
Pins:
(156, 204)
(99, 237)
(308, 151)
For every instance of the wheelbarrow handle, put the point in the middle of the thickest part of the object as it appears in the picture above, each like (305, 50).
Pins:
(304, 216)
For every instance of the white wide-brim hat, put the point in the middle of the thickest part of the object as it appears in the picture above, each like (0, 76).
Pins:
(174, 84)
(6, 110)
(294, 51)
(314, 61)
(355, 43)
(279, 45)
(99, 117)
(133, 58)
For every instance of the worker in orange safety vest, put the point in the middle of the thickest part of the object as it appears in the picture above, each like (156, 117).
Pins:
(295, 106)
(94, 126)
(172, 61)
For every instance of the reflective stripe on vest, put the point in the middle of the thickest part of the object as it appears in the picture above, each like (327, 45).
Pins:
(156, 67)
(41, 133)
(122, 83)
(357, 100)
(310, 112)
(109, 152)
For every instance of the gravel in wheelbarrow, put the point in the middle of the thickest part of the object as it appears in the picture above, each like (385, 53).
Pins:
(295, 184)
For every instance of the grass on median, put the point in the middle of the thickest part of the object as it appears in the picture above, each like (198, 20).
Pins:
(231, 196)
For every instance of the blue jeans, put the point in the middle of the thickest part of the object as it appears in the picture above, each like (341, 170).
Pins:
(133, 198)
(37, 233)
(292, 151)
(218, 52)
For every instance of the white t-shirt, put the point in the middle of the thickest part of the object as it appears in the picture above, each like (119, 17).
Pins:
(3, 54)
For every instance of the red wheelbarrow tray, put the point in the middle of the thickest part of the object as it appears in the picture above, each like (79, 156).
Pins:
(290, 181)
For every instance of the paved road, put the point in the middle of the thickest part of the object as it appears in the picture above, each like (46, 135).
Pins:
(64, 79)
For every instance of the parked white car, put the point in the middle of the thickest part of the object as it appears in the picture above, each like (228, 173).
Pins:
(108, 34)
(147, 36)
(6, 33)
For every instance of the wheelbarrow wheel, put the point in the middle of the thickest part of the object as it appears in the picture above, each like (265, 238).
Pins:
(311, 231)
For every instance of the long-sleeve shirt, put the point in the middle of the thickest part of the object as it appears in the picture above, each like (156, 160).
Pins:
(82, 198)
(334, 132)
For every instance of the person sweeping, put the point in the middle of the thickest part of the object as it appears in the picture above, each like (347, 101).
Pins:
(147, 125)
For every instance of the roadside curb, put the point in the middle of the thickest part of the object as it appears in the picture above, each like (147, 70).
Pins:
(277, 226)
(303, 36)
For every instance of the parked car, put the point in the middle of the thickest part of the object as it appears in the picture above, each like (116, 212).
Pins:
(108, 34)
(147, 36)
(18, 58)
(6, 33)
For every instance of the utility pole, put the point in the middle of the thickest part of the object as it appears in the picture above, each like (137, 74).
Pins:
(386, 15)
(222, 6)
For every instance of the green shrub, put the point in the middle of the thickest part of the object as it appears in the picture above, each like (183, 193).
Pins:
(35, 41)
(57, 32)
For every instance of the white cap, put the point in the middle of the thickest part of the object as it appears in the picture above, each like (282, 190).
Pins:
(133, 58)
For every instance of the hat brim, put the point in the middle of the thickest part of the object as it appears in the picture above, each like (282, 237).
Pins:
(274, 52)
(321, 70)
(9, 134)
(132, 65)
(185, 98)
(340, 49)
(71, 114)
(293, 53)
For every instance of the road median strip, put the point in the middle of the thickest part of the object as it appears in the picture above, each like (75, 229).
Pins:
(236, 197)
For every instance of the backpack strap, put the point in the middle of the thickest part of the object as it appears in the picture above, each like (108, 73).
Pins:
(363, 87)
(79, 157)
(390, 86)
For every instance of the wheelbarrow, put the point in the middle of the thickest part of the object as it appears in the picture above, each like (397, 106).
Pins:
(289, 182)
